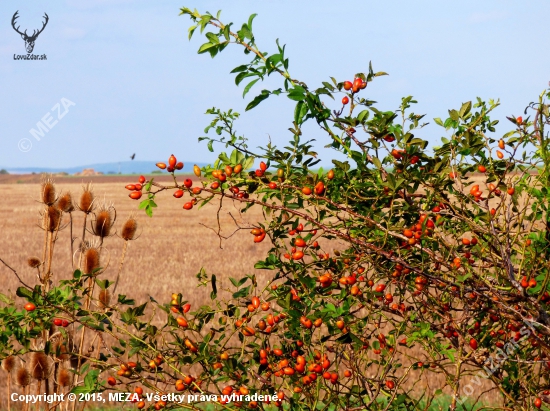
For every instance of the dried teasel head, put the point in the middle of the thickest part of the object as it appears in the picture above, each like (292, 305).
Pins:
(104, 220)
(39, 366)
(64, 377)
(47, 190)
(33, 262)
(86, 203)
(65, 203)
(104, 298)
(129, 229)
(22, 377)
(8, 363)
(52, 219)
(91, 257)
(84, 245)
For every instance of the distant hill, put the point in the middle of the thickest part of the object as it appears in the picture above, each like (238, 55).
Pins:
(124, 167)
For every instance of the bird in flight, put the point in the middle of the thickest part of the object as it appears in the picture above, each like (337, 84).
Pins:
(133, 156)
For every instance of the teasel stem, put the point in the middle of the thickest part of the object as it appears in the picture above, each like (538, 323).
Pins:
(72, 239)
(91, 284)
(124, 248)
(44, 224)
(38, 387)
(54, 379)
(9, 391)
(8, 364)
(84, 227)
(83, 236)
(50, 259)
(46, 279)
(79, 361)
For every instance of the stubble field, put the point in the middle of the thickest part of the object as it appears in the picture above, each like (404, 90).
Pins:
(171, 248)
(169, 252)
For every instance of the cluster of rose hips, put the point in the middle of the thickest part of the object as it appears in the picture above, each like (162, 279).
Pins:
(424, 226)
(187, 383)
(136, 188)
(260, 172)
(259, 234)
(178, 308)
(357, 85)
(173, 164)
(299, 242)
(398, 154)
(60, 322)
(280, 366)
(126, 369)
(528, 283)
(156, 362)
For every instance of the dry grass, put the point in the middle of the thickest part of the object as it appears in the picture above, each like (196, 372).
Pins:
(171, 248)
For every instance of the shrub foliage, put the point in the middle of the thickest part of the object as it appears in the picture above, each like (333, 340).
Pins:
(402, 264)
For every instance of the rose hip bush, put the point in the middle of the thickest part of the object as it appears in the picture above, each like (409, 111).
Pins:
(401, 264)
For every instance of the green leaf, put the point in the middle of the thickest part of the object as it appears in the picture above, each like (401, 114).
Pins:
(242, 292)
(342, 166)
(238, 283)
(214, 292)
(297, 93)
(377, 162)
(363, 115)
(213, 38)
(239, 69)
(241, 76)
(250, 20)
(248, 163)
(80, 390)
(245, 33)
(24, 293)
(300, 112)
(223, 157)
(465, 109)
(257, 100)
(454, 115)
(191, 31)
(438, 121)
(205, 47)
(249, 86)
(103, 284)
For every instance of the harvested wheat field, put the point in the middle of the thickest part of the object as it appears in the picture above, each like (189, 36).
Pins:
(170, 250)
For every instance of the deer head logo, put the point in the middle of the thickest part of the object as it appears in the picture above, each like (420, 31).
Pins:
(29, 40)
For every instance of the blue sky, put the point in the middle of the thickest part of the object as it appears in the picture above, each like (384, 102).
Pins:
(138, 85)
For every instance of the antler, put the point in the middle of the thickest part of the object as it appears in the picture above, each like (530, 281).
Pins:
(43, 26)
(15, 16)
